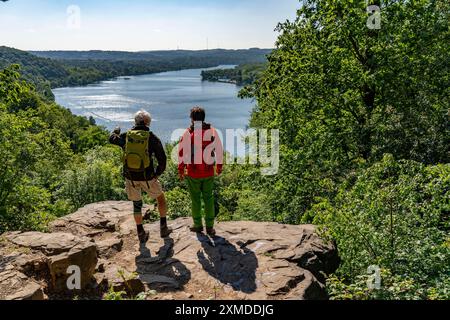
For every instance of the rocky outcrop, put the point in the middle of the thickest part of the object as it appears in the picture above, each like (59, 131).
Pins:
(47, 257)
(247, 260)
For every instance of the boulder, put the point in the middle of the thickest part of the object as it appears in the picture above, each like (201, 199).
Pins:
(84, 257)
(52, 254)
(14, 285)
(33, 264)
(96, 219)
(48, 243)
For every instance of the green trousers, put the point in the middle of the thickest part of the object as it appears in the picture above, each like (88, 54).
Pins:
(202, 189)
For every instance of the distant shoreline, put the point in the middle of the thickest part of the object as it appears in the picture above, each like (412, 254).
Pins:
(129, 77)
(60, 69)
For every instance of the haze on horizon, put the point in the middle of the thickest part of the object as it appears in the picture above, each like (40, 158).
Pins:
(142, 25)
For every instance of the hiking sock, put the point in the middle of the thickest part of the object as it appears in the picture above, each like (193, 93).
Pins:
(140, 228)
(163, 222)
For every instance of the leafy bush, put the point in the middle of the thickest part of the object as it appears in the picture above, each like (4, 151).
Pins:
(392, 288)
(253, 206)
(112, 295)
(179, 203)
(97, 177)
(31, 156)
(393, 215)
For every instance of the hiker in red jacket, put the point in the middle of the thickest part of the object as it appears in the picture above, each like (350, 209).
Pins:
(200, 159)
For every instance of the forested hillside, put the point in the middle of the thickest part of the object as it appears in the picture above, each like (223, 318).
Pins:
(60, 68)
(214, 56)
(40, 145)
(241, 75)
(43, 73)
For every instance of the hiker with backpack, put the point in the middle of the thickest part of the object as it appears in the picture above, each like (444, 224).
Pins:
(140, 145)
(200, 159)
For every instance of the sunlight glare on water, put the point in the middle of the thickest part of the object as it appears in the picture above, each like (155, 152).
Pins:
(168, 96)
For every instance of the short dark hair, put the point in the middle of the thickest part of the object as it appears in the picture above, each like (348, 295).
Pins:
(198, 114)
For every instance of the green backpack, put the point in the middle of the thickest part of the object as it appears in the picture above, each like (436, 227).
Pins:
(136, 157)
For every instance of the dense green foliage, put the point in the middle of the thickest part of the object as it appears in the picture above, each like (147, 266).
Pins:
(394, 214)
(242, 75)
(343, 96)
(41, 147)
(341, 101)
(94, 177)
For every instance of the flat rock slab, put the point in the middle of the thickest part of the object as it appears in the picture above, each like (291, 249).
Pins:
(48, 243)
(97, 218)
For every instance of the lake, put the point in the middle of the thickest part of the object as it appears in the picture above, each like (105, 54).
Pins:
(168, 96)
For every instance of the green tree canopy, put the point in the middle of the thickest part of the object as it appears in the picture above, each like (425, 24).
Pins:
(343, 94)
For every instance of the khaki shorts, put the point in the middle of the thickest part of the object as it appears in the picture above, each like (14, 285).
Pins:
(152, 188)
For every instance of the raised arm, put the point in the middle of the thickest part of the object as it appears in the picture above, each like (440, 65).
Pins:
(118, 139)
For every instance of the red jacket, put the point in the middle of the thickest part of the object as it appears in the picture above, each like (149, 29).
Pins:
(200, 150)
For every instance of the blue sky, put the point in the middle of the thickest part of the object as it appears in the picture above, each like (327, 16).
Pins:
(136, 25)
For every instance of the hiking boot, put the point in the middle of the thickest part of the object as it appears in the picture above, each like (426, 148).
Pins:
(165, 231)
(211, 232)
(143, 236)
(196, 229)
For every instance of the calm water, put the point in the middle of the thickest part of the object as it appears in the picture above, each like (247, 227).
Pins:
(168, 96)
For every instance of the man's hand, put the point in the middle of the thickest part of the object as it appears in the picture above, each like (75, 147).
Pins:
(117, 130)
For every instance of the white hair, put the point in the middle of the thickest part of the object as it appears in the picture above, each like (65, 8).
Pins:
(143, 117)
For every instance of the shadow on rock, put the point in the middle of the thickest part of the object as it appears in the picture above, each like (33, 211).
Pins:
(226, 263)
(162, 272)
